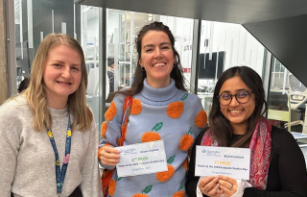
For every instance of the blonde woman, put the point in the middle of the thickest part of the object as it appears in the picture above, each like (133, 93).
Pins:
(49, 140)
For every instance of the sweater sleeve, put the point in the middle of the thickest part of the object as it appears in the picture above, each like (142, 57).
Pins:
(291, 169)
(111, 128)
(10, 130)
(91, 185)
(192, 180)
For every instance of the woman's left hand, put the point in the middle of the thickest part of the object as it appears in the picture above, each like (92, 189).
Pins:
(228, 185)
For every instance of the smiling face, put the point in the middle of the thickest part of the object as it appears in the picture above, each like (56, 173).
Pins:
(157, 58)
(235, 112)
(62, 73)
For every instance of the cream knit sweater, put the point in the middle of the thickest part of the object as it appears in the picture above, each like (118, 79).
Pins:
(27, 164)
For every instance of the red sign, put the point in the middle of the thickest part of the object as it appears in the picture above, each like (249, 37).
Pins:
(186, 70)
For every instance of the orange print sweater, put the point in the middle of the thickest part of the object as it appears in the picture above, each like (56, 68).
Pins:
(168, 113)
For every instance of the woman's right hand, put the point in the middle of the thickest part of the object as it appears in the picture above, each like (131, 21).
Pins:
(109, 156)
(210, 186)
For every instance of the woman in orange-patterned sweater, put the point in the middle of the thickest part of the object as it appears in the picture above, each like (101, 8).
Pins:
(161, 109)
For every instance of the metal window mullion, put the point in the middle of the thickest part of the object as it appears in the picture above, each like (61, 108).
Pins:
(102, 62)
(268, 76)
(195, 56)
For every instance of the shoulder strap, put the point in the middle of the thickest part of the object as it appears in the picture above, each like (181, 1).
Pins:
(127, 107)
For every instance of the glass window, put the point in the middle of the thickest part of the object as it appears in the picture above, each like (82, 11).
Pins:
(224, 45)
(35, 19)
(287, 94)
(287, 103)
(89, 25)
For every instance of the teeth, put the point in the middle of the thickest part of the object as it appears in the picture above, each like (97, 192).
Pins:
(159, 64)
(235, 111)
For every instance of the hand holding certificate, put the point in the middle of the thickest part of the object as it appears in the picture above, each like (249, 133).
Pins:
(143, 158)
(232, 162)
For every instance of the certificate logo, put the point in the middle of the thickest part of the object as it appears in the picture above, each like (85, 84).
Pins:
(211, 153)
(128, 151)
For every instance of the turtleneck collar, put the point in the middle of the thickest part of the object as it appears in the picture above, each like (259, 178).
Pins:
(159, 94)
(58, 113)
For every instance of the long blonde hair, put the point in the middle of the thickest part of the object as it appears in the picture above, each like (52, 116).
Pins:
(36, 91)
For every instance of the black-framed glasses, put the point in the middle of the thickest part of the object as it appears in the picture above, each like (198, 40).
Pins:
(242, 97)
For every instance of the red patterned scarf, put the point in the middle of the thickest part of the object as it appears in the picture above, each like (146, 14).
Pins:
(260, 146)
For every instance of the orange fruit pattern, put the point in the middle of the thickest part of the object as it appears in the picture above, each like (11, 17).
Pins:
(111, 112)
(186, 142)
(150, 136)
(140, 195)
(136, 107)
(112, 187)
(201, 119)
(166, 175)
(185, 164)
(175, 109)
(104, 128)
(179, 194)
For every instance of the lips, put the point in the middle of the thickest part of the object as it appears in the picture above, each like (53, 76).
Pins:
(64, 83)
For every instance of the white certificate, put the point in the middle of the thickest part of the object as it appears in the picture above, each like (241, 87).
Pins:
(232, 162)
(142, 158)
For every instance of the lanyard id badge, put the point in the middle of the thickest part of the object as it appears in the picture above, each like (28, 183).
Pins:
(60, 174)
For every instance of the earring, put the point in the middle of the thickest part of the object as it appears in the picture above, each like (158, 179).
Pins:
(143, 69)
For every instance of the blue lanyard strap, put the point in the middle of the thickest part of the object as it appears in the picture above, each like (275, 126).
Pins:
(60, 175)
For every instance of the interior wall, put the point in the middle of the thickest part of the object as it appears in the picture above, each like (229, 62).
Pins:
(286, 39)
(3, 60)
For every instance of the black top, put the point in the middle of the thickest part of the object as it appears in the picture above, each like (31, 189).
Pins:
(287, 172)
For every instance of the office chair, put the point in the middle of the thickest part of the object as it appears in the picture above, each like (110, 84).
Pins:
(282, 115)
(298, 100)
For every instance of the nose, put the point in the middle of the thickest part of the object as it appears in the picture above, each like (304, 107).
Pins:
(66, 72)
(158, 53)
(234, 101)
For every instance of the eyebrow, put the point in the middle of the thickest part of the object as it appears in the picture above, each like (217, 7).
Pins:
(59, 61)
(152, 45)
(239, 90)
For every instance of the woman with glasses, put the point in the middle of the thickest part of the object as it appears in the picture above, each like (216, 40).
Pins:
(277, 166)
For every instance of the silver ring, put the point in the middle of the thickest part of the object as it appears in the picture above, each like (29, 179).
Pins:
(230, 188)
